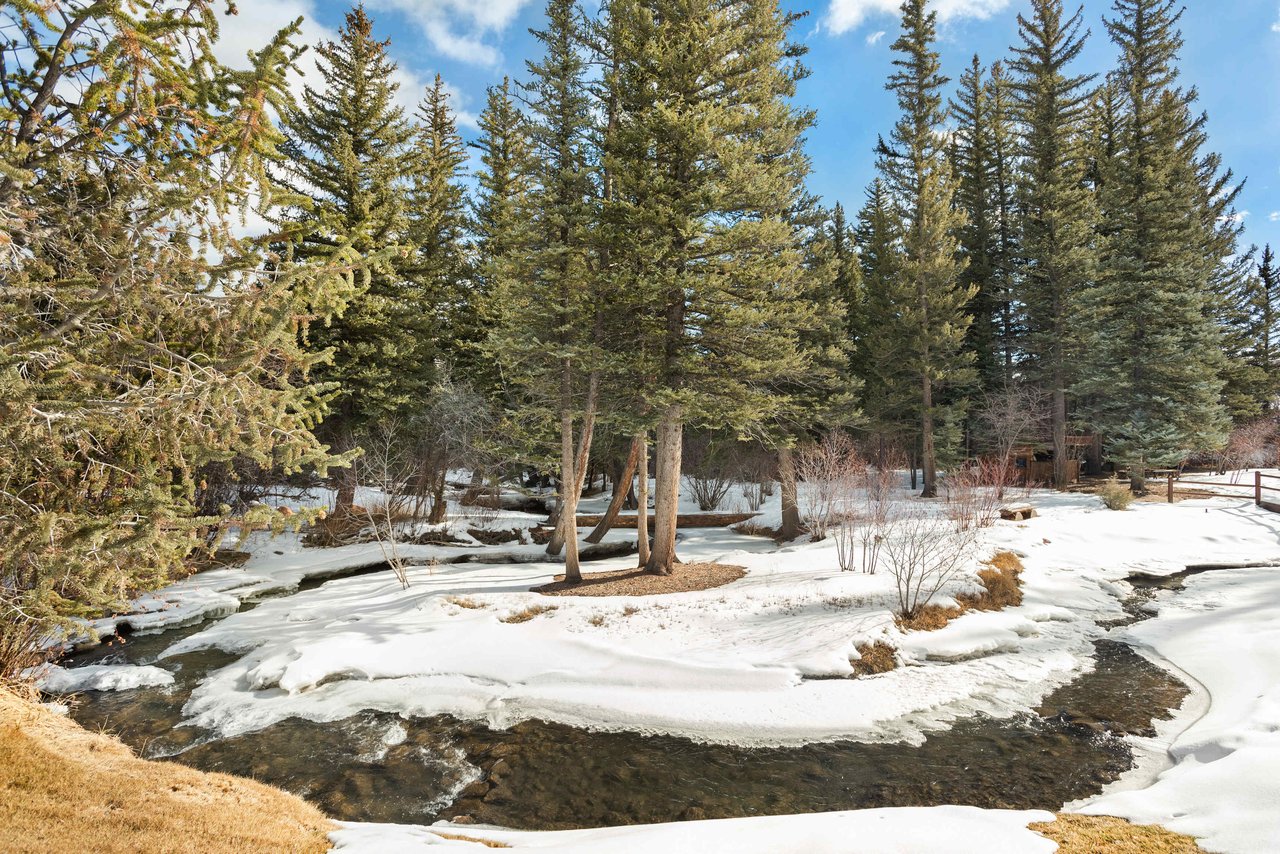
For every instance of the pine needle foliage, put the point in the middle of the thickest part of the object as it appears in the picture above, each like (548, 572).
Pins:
(140, 339)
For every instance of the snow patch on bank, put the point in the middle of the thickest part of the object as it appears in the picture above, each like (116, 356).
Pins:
(102, 677)
(1223, 630)
(910, 830)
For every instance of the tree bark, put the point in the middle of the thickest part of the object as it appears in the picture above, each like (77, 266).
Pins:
(1059, 435)
(642, 500)
(791, 526)
(569, 502)
(556, 543)
(666, 505)
(928, 456)
(621, 487)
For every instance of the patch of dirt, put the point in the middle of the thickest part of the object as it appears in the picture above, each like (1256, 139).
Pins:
(685, 520)
(687, 578)
(1104, 834)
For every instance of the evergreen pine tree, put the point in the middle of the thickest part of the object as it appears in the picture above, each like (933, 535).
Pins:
(549, 342)
(351, 157)
(889, 397)
(500, 222)
(437, 228)
(141, 340)
(1056, 204)
(707, 162)
(916, 169)
(1153, 379)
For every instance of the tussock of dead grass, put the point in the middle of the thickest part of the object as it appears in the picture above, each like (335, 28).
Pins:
(527, 614)
(1104, 834)
(464, 602)
(1002, 580)
(755, 529)
(878, 657)
(687, 577)
(65, 789)
(458, 837)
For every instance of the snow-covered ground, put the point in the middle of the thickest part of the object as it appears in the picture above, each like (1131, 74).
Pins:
(737, 664)
(920, 830)
(1223, 634)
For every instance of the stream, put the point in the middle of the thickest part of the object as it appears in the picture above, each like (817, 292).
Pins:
(382, 767)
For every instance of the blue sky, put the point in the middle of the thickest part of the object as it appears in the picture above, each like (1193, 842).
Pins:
(1232, 55)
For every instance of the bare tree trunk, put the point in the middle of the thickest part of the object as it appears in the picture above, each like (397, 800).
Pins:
(1059, 435)
(666, 506)
(928, 456)
(791, 526)
(346, 497)
(569, 501)
(561, 532)
(621, 487)
(642, 500)
(439, 505)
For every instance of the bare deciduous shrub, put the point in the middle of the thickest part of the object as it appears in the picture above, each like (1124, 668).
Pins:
(924, 554)
(387, 464)
(875, 513)
(1116, 495)
(976, 492)
(1251, 445)
(708, 468)
(830, 472)
(1008, 418)
(20, 646)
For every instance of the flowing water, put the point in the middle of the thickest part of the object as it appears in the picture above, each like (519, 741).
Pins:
(381, 767)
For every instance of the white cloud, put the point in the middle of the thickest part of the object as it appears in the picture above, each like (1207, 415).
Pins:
(845, 15)
(243, 33)
(1275, 216)
(459, 29)
(875, 37)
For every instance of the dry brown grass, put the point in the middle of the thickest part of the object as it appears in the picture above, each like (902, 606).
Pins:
(878, 657)
(458, 837)
(1002, 579)
(929, 618)
(686, 578)
(465, 602)
(598, 620)
(65, 789)
(1103, 834)
(755, 529)
(527, 614)
(1003, 583)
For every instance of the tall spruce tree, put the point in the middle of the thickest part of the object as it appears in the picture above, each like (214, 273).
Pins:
(1264, 311)
(974, 159)
(1058, 215)
(438, 228)
(351, 159)
(1153, 379)
(708, 167)
(889, 397)
(916, 169)
(550, 341)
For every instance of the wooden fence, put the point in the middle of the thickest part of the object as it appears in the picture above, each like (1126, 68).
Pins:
(1260, 489)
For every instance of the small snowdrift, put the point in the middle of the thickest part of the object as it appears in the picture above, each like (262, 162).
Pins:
(102, 677)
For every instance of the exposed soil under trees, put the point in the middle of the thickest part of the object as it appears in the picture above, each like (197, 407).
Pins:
(687, 578)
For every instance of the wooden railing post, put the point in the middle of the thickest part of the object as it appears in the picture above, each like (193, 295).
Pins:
(1170, 489)
(1257, 488)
